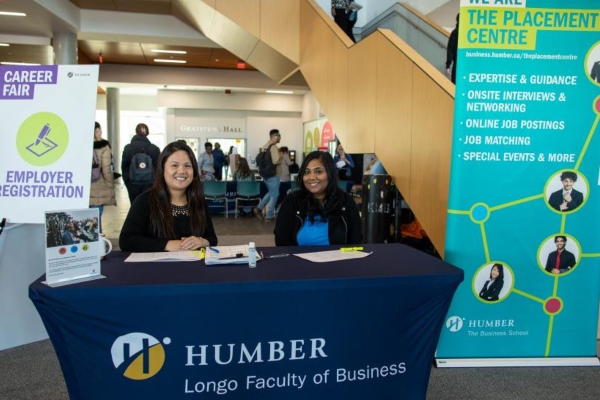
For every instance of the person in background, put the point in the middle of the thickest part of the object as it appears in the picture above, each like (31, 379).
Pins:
(319, 213)
(343, 163)
(375, 167)
(139, 143)
(68, 234)
(492, 287)
(173, 215)
(452, 52)
(206, 163)
(219, 161)
(353, 7)
(102, 191)
(233, 157)
(243, 172)
(283, 168)
(339, 11)
(272, 182)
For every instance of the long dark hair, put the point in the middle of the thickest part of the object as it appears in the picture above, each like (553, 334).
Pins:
(334, 196)
(500, 269)
(161, 216)
(243, 167)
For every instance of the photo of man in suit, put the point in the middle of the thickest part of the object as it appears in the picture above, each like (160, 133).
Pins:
(595, 72)
(567, 198)
(561, 260)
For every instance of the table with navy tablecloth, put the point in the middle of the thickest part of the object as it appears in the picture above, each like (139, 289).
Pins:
(288, 329)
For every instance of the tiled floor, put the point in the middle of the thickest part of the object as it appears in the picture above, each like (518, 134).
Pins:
(113, 218)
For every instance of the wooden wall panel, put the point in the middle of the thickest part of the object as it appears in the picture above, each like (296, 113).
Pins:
(280, 26)
(245, 13)
(337, 87)
(433, 113)
(199, 13)
(271, 62)
(314, 52)
(362, 95)
(393, 142)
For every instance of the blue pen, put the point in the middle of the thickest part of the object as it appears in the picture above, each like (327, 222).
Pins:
(45, 130)
(214, 249)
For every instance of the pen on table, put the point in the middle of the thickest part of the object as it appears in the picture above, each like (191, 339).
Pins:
(238, 255)
(214, 249)
(346, 249)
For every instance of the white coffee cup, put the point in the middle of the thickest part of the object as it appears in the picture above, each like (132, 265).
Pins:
(107, 245)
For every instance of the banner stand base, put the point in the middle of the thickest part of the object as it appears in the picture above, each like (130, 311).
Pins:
(517, 362)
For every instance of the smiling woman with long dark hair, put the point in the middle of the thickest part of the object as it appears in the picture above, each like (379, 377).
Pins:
(319, 212)
(173, 214)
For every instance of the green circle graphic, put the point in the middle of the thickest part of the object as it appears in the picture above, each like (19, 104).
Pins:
(42, 139)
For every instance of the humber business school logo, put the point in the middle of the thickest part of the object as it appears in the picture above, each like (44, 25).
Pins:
(138, 355)
(454, 323)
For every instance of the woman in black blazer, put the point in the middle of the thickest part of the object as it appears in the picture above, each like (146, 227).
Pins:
(492, 287)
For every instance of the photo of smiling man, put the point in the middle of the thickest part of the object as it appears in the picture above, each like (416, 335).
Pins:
(567, 198)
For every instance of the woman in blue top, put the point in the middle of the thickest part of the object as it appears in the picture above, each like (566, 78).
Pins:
(319, 213)
(343, 162)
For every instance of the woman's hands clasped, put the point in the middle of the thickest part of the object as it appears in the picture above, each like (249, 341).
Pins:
(193, 243)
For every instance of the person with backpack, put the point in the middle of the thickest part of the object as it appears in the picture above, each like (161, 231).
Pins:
(102, 190)
(139, 162)
(267, 160)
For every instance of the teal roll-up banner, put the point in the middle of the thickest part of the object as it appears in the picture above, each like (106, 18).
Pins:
(524, 203)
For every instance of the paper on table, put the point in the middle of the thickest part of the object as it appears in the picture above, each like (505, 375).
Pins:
(332, 255)
(228, 255)
(195, 255)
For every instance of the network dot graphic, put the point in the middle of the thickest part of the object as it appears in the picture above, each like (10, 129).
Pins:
(480, 212)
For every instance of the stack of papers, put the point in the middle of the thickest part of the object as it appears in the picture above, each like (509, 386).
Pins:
(195, 255)
(228, 255)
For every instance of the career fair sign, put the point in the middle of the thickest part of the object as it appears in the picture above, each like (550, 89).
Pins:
(524, 191)
(46, 139)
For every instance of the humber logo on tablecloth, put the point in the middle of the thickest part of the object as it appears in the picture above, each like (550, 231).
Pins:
(139, 355)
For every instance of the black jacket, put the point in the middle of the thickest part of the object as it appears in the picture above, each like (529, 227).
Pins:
(137, 145)
(491, 292)
(344, 228)
(567, 261)
(137, 236)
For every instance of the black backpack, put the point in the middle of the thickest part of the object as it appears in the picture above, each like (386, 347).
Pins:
(265, 165)
(141, 171)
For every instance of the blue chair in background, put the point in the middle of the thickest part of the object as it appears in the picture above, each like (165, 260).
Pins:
(216, 190)
(343, 185)
(246, 191)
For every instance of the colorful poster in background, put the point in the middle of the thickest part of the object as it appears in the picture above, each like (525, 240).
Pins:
(46, 136)
(524, 192)
(317, 135)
